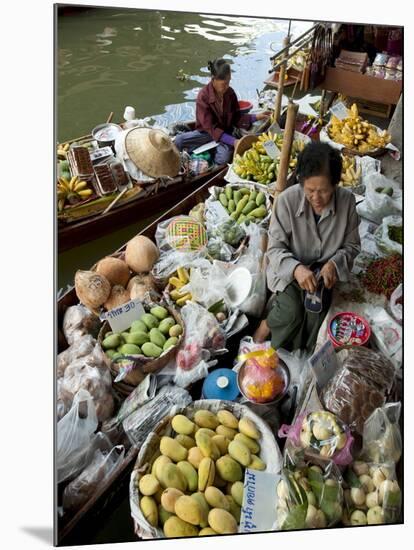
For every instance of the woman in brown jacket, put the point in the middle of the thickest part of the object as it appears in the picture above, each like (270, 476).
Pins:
(217, 115)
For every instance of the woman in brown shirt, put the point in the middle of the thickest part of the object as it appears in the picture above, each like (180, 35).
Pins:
(217, 115)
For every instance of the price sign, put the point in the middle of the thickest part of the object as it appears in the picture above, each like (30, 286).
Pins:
(122, 317)
(259, 501)
(324, 363)
(339, 110)
(271, 149)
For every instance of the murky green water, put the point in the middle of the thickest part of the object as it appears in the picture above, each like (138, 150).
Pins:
(110, 58)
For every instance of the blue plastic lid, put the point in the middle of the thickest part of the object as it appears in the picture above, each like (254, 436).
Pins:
(221, 384)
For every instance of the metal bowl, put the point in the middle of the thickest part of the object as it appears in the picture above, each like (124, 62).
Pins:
(105, 134)
(286, 373)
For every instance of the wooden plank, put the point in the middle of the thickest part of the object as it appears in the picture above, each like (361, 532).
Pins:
(362, 86)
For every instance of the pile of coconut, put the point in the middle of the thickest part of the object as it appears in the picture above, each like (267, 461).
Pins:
(114, 281)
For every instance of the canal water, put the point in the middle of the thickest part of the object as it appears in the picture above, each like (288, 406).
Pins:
(108, 58)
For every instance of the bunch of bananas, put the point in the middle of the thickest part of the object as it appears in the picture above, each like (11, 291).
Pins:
(351, 174)
(256, 165)
(72, 191)
(62, 150)
(356, 133)
(178, 280)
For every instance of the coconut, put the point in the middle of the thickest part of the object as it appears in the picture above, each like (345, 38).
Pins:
(139, 285)
(119, 296)
(115, 270)
(92, 289)
(141, 254)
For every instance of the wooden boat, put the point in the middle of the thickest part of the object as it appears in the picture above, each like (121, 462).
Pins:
(80, 527)
(89, 220)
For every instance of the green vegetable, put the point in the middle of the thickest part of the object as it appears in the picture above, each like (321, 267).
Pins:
(229, 192)
(241, 204)
(251, 205)
(260, 199)
(237, 196)
(223, 199)
(231, 206)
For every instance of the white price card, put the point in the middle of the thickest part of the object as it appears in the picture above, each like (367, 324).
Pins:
(324, 363)
(122, 317)
(258, 512)
(271, 149)
(339, 110)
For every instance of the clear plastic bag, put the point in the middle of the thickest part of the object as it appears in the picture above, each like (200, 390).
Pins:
(395, 303)
(82, 489)
(383, 235)
(386, 334)
(323, 433)
(372, 496)
(92, 374)
(378, 205)
(79, 321)
(382, 440)
(207, 283)
(140, 423)
(81, 347)
(74, 433)
(359, 386)
(203, 339)
(309, 494)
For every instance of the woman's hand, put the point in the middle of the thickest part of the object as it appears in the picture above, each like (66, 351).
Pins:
(305, 278)
(329, 275)
(262, 332)
(262, 116)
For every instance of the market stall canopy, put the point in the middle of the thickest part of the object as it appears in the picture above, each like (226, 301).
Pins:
(152, 151)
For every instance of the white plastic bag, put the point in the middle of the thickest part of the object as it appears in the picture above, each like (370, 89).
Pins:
(379, 205)
(383, 235)
(395, 307)
(74, 434)
(82, 489)
(79, 321)
(382, 440)
(386, 334)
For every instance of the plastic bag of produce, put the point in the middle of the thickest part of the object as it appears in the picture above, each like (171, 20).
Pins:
(90, 373)
(389, 235)
(323, 433)
(74, 433)
(140, 423)
(82, 488)
(309, 494)
(359, 386)
(203, 339)
(81, 347)
(382, 435)
(383, 197)
(79, 321)
(396, 303)
(372, 496)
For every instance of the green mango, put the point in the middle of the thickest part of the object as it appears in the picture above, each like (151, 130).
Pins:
(159, 312)
(173, 341)
(151, 350)
(111, 342)
(157, 338)
(137, 338)
(150, 321)
(130, 349)
(166, 324)
(138, 326)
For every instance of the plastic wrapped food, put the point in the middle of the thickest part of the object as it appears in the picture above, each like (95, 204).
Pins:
(381, 59)
(309, 496)
(79, 321)
(82, 488)
(82, 347)
(373, 496)
(323, 433)
(359, 386)
(389, 235)
(396, 303)
(90, 373)
(261, 377)
(382, 435)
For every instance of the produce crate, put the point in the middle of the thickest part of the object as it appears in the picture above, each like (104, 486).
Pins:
(372, 108)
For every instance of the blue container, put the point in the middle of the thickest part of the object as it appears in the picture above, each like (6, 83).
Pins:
(221, 384)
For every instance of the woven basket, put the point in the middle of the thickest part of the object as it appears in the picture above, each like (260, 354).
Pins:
(270, 453)
(144, 365)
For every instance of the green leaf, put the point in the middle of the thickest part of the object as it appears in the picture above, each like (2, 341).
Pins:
(352, 479)
(296, 518)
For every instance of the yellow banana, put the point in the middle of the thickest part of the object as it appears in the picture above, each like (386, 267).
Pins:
(64, 183)
(184, 299)
(72, 182)
(61, 204)
(183, 275)
(79, 185)
(84, 193)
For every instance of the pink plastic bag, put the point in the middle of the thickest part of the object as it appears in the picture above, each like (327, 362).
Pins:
(323, 433)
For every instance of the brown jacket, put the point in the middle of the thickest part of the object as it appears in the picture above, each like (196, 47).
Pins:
(208, 116)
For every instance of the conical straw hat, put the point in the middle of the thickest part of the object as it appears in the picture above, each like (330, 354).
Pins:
(153, 152)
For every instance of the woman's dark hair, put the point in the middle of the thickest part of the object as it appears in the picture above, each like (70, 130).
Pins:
(319, 159)
(219, 69)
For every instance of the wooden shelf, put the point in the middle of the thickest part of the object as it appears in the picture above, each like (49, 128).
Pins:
(362, 86)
